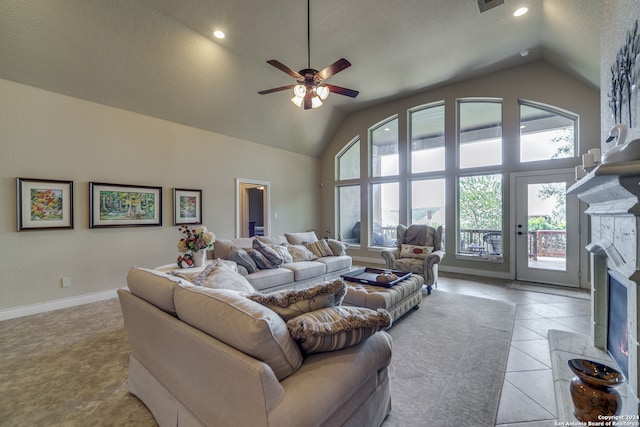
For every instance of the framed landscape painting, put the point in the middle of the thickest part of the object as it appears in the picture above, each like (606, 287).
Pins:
(44, 203)
(119, 205)
(187, 206)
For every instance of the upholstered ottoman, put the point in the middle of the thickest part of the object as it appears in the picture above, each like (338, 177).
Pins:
(397, 300)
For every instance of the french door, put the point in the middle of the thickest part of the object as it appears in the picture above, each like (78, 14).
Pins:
(546, 231)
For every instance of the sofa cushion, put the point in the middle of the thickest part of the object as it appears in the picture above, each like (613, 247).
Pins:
(241, 257)
(289, 303)
(241, 323)
(270, 278)
(305, 269)
(300, 253)
(334, 328)
(300, 238)
(335, 263)
(269, 253)
(273, 240)
(319, 248)
(218, 275)
(154, 287)
(414, 251)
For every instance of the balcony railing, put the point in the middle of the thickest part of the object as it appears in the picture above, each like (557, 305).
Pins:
(543, 243)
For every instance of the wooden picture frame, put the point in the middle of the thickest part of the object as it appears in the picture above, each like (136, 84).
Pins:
(122, 205)
(44, 204)
(187, 206)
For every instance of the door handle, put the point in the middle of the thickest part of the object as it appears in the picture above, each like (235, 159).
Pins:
(520, 233)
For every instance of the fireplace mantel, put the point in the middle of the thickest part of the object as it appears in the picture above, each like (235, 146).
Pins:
(610, 188)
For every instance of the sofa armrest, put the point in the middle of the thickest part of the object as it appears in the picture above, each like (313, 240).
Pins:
(390, 255)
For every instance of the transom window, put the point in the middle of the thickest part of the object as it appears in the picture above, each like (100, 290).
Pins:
(427, 139)
(480, 133)
(384, 148)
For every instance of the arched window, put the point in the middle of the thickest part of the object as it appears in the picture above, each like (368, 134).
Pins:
(546, 133)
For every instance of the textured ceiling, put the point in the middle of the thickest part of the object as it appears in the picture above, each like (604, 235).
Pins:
(157, 57)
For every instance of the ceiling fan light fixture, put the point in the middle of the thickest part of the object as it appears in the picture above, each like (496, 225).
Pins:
(315, 102)
(322, 91)
(297, 100)
(299, 91)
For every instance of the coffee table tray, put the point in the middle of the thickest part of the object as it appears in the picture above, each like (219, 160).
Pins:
(368, 275)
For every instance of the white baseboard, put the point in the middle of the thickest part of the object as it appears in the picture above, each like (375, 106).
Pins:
(474, 272)
(27, 310)
(368, 260)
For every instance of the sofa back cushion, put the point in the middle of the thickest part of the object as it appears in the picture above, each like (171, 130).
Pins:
(217, 275)
(223, 246)
(240, 323)
(154, 287)
(273, 240)
(300, 238)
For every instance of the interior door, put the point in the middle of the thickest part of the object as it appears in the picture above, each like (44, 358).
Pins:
(547, 230)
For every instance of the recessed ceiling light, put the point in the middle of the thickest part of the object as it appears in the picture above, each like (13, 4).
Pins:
(524, 52)
(520, 11)
(218, 34)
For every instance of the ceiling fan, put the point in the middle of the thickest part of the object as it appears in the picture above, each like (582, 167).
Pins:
(310, 89)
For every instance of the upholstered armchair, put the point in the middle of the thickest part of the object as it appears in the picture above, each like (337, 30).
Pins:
(418, 250)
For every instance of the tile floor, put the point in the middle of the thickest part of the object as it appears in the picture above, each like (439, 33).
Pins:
(528, 398)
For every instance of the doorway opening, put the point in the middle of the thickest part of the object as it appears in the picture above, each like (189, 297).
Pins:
(253, 208)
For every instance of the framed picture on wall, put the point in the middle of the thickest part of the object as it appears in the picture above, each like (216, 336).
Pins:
(44, 203)
(120, 205)
(187, 206)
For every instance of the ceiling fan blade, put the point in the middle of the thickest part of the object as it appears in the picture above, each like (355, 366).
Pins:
(334, 68)
(280, 66)
(342, 90)
(275, 89)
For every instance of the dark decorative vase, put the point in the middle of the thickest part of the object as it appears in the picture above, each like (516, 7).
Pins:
(592, 390)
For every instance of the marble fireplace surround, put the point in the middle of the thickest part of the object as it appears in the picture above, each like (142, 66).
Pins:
(612, 192)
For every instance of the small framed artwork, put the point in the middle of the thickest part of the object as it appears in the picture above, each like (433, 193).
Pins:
(44, 203)
(187, 206)
(119, 205)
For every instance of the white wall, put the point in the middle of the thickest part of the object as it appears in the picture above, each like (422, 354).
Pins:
(46, 135)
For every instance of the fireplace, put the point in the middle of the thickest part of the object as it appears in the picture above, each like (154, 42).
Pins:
(617, 323)
(612, 192)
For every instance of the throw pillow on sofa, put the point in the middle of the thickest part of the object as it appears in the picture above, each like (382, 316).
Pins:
(289, 303)
(241, 257)
(301, 253)
(283, 252)
(240, 323)
(218, 275)
(319, 248)
(335, 328)
(269, 253)
(261, 261)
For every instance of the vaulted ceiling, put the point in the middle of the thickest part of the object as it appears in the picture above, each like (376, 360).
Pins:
(159, 58)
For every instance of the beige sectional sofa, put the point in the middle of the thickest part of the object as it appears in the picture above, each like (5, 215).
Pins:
(296, 274)
(213, 357)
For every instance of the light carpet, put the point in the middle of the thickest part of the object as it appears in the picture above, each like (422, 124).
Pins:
(449, 361)
(69, 367)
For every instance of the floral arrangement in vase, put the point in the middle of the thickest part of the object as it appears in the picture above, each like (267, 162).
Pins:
(194, 239)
